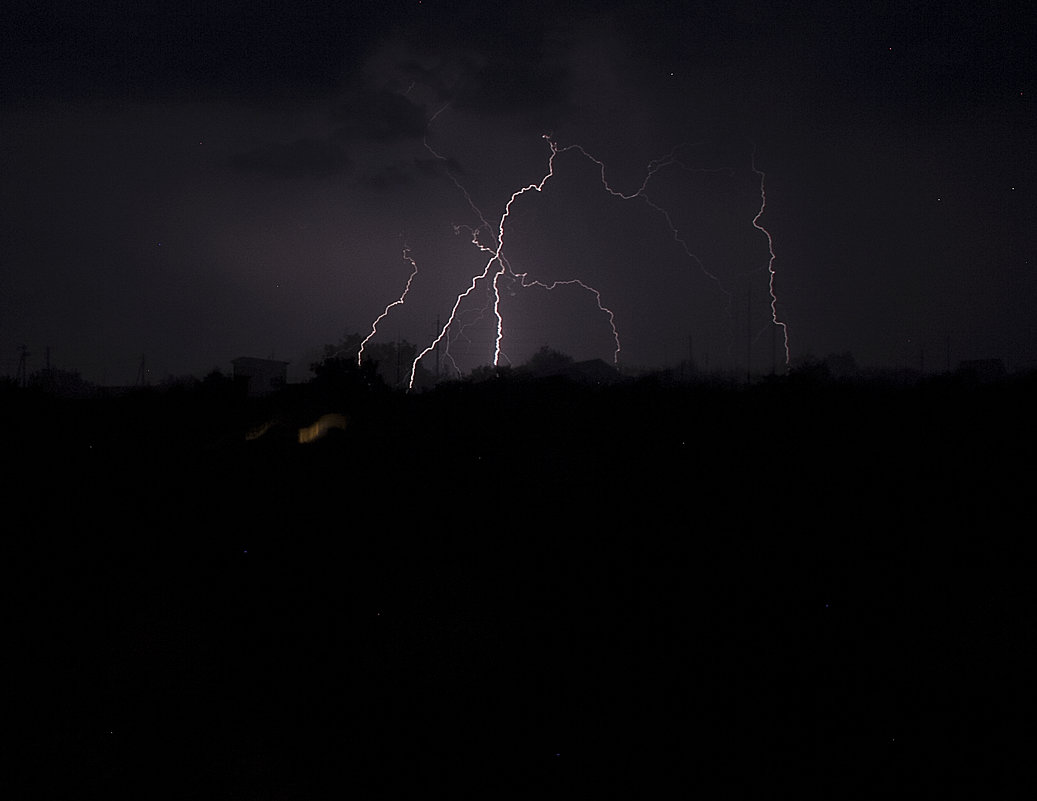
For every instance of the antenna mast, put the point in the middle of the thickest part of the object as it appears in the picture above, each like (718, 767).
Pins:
(22, 380)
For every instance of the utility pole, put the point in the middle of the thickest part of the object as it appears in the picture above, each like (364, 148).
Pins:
(142, 371)
(22, 380)
(774, 348)
(748, 333)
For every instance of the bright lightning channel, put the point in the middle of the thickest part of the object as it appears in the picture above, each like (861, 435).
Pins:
(495, 250)
(770, 262)
(398, 302)
(655, 166)
(496, 256)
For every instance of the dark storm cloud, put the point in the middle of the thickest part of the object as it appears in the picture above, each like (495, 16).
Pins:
(431, 166)
(522, 73)
(897, 140)
(378, 116)
(388, 177)
(490, 60)
(405, 173)
(141, 50)
(507, 85)
(303, 158)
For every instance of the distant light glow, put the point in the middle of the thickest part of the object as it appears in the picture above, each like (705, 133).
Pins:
(320, 427)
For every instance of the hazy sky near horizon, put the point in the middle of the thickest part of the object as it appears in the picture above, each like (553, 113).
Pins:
(200, 181)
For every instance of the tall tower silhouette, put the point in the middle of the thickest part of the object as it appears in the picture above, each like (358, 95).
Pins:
(22, 379)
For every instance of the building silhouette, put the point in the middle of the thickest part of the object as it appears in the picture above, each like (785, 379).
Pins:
(259, 376)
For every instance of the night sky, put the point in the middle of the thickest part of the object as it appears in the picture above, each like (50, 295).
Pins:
(196, 181)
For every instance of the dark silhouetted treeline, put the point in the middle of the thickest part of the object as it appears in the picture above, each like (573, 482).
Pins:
(517, 586)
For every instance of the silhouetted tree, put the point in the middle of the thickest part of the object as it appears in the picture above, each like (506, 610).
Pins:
(338, 375)
(392, 361)
(178, 383)
(64, 383)
(808, 370)
(547, 362)
(216, 384)
(346, 348)
(488, 372)
(841, 365)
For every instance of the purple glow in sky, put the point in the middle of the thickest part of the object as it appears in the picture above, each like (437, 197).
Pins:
(200, 183)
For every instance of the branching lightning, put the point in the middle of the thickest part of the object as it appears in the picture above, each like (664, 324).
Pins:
(597, 296)
(670, 159)
(497, 265)
(495, 254)
(494, 257)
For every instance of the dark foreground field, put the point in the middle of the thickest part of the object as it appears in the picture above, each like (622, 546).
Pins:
(523, 590)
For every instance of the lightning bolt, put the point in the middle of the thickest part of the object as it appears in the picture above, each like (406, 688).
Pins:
(597, 296)
(397, 302)
(770, 263)
(463, 326)
(654, 167)
(497, 266)
(495, 254)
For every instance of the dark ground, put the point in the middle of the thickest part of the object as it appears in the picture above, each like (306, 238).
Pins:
(523, 589)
